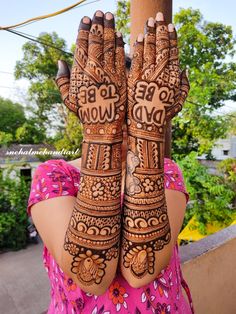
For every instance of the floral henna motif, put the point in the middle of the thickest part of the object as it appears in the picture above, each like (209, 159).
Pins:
(89, 267)
(156, 92)
(96, 93)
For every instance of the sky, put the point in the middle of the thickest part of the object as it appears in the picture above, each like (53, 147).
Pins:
(66, 25)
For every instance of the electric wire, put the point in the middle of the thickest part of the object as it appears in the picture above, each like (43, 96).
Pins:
(27, 36)
(42, 17)
(81, 5)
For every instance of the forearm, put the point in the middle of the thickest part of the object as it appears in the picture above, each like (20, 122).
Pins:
(146, 230)
(92, 238)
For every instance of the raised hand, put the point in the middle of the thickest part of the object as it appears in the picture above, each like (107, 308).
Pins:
(157, 90)
(96, 92)
(96, 89)
(156, 87)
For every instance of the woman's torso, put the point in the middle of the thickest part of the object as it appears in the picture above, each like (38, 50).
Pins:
(164, 295)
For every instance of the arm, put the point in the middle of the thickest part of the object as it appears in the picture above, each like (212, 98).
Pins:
(86, 245)
(156, 92)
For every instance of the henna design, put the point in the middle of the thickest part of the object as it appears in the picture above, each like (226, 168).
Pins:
(132, 182)
(96, 92)
(156, 92)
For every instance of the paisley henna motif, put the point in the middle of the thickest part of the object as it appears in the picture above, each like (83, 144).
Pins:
(96, 92)
(156, 92)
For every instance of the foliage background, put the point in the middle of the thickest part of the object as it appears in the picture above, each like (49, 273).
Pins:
(206, 49)
(14, 193)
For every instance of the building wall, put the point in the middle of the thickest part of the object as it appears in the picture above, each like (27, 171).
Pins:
(225, 148)
(209, 268)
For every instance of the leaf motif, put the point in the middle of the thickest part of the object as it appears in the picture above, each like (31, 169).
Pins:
(101, 310)
(137, 311)
(162, 280)
(95, 310)
(155, 284)
(118, 307)
(166, 293)
(143, 297)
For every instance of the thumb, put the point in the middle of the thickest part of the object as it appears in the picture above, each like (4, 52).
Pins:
(63, 83)
(63, 70)
(184, 86)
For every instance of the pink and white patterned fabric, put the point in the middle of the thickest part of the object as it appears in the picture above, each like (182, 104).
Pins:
(55, 178)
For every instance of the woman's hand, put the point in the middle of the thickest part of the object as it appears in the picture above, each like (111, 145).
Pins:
(96, 93)
(157, 88)
(96, 88)
(156, 92)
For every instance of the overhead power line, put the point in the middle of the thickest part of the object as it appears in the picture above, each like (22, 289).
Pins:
(35, 39)
(81, 5)
(42, 17)
(44, 43)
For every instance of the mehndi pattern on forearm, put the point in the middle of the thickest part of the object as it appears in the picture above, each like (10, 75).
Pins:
(95, 223)
(145, 222)
(97, 94)
(156, 92)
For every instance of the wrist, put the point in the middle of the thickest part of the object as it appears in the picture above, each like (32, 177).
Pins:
(101, 159)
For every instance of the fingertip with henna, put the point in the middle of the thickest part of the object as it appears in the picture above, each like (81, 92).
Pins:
(140, 38)
(119, 40)
(171, 28)
(63, 69)
(150, 25)
(160, 17)
(85, 23)
(98, 18)
(109, 20)
(172, 32)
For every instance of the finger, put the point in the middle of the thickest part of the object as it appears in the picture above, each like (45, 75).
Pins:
(137, 61)
(95, 49)
(149, 43)
(81, 50)
(109, 41)
(174, 57)
(63, 83)
(120, 70)
(184, 90)
(120, 56)
(162, 43)
(184, 87)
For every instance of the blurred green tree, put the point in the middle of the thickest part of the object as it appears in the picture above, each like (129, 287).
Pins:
(39, 66)
(14, 193)
(212, 197)
(12, 116)
(206, 49)
(30, 133)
